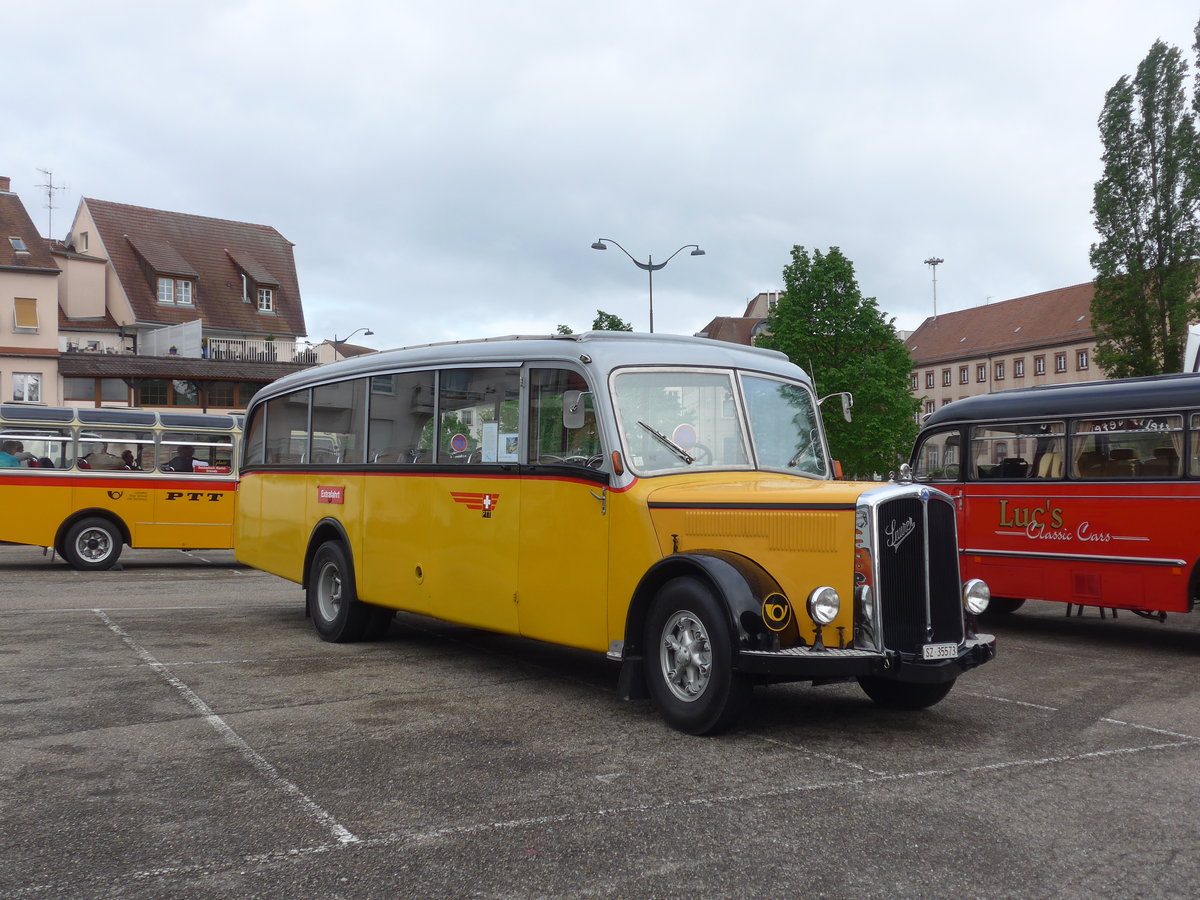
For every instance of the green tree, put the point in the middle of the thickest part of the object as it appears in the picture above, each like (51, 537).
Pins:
(825, 325)
(1145, 208)
(608, 322)
(563, 329)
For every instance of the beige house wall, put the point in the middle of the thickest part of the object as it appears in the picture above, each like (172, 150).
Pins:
(19, 350)
(1000, 373)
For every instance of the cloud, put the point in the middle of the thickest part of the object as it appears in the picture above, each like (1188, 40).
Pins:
(444, 170)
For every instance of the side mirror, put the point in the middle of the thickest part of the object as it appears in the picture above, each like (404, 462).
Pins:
(847, 403)
(573, 411)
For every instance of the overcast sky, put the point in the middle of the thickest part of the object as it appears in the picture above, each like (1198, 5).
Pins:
(444, 168)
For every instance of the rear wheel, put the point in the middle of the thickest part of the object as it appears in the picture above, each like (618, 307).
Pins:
(333, 602)
(903, 694)
(689, 660)
(92, 544)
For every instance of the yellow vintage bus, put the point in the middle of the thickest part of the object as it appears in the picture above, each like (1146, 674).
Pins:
(668, 501)
(88, 481)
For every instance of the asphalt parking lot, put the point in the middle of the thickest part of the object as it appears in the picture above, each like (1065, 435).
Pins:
(176, 729)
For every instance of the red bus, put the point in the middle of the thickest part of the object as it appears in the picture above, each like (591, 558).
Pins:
(1080, 493)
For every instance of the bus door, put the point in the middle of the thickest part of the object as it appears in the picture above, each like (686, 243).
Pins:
(564, 543)
(474, 503)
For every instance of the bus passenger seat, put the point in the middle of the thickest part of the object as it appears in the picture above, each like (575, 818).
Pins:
(1122, 463)
(1050, 465)
(1090, 463)
(1014, 467)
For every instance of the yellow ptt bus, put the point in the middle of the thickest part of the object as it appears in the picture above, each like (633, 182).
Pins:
(88, 481)
(668, 501)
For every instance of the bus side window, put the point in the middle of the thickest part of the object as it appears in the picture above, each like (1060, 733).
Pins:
(400, 431)
(938, 458)
(552, 441)
(287, 429)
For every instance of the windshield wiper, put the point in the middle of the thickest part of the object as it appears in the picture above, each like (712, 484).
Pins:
(669, 444)
(809, 449)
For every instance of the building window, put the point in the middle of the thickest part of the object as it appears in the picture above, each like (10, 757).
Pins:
(1039, 365)
(1081, 360)
(929, 379)
(18, 244)
(945, 378)
(111, 390)
(912, 381)
(25, 316)
(1000, 371)
(83, 240)
(981, 372)
(1060, 362)
(266, 300)
(175, 290)
(1018, 368)
(183, 292)
(166, 290)
(964, 375)
(26, 387)
(930, 405)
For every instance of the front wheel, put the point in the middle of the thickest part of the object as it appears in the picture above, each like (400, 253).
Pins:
(92, 544)
(903, 694)
(1003, 606)
(689, 660)
(333, 602)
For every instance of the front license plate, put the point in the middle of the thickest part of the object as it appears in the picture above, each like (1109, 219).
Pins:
(939, 651)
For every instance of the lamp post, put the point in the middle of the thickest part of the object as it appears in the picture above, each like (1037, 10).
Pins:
(933, 262)
(649, 266)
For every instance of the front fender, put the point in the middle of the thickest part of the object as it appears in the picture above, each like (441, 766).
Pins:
(739, 583)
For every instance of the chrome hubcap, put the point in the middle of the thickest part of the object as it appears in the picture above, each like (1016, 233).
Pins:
(685, 655)
(93, 545)
(329, 592)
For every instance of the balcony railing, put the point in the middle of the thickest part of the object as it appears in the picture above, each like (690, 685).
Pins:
(255, 350)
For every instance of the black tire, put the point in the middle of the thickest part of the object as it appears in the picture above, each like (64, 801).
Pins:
(92, 544)
(332, 597)
(689, 660)
(1003, 606)
(903, 694)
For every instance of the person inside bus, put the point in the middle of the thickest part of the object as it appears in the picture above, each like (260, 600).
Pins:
(12, 454)
(183, 462)
(127, 460)
(100, 458)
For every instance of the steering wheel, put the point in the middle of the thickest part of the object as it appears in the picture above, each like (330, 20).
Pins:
(700, 454)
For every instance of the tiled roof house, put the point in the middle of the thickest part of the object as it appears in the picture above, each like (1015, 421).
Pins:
(145, 307)
(745, 328)
(1044, 338)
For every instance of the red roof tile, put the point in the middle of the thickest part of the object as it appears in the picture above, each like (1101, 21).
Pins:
(142, 243)
(1040, 320)
(15, 223)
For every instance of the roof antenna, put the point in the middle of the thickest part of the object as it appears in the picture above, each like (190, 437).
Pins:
(50, 187)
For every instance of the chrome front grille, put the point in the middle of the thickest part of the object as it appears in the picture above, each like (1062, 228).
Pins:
(907, 532)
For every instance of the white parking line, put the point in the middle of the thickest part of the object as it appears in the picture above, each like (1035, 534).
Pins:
(340, 833)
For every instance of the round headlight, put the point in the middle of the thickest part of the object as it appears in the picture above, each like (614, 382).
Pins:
(976, 596)
(823, 605)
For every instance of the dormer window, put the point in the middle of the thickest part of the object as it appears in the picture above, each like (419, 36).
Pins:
(175, 291)
(266, 300)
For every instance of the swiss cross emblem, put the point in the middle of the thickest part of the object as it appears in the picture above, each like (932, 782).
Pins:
(483, 502)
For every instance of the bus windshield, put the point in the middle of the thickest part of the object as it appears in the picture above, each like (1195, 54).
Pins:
(672, 420)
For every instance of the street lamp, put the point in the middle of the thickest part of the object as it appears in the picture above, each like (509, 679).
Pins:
(649, 266)
(366, 331)
(933, 262)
